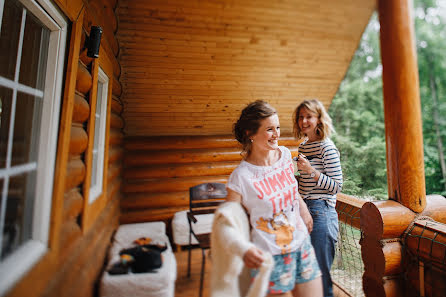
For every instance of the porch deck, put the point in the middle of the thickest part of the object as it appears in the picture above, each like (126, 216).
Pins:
(188, 287)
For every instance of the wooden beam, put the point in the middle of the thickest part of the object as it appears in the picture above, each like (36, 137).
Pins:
(402, 110)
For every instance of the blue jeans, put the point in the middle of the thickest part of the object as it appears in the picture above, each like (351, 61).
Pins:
(324, 237)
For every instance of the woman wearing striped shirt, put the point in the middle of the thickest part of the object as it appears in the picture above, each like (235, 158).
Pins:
(320, 180)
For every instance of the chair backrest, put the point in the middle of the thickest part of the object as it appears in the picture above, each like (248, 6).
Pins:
(205, 198)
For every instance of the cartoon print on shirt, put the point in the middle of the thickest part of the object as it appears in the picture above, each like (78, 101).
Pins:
(280, 227)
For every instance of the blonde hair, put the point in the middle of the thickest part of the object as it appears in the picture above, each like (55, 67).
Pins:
(323, 129)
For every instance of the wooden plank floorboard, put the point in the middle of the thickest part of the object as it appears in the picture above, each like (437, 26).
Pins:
(190, 287)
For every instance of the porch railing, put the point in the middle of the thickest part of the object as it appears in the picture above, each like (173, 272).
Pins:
(348, 267)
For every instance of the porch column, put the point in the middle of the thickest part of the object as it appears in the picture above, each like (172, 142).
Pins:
(402, 110)
(384, 222)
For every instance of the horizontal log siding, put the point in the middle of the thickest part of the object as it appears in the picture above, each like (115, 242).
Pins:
(189, 67)
(158, 171)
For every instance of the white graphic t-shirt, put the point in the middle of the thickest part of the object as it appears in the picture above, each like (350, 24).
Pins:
(269, 194)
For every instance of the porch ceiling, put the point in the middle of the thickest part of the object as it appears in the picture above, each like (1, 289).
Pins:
(189, 67)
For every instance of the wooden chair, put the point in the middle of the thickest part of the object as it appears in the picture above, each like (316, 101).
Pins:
(203, 199)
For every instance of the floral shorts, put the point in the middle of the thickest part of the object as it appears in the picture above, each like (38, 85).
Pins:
(293, 268)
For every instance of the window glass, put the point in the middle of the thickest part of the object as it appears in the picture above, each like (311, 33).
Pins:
(9, 38)
(26, 129)
(5, 117)
(34, 53)
(19, 215)
(30, 94)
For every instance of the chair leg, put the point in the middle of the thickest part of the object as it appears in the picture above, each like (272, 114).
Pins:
(188, 261)
(203, 263)
(190, 249)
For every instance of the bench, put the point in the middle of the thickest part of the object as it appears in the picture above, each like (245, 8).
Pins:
(158, 283)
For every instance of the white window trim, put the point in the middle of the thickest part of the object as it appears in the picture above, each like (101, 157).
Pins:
(16, 265)
(96, 190)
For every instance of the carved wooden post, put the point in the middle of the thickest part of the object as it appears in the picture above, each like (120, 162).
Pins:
(384, 222)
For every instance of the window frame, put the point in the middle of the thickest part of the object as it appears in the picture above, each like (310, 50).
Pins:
(97, 189)
(15, 265)
(92, 210)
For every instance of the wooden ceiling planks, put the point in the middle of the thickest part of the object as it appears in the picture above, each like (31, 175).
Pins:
(189, 67)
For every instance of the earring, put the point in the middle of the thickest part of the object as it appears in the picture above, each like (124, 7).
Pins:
(251, 140)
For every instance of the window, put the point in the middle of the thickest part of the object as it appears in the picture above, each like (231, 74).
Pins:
(97, 168)
(32, 46)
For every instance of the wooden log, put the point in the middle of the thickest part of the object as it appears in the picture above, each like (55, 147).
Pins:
(385, 219)
(75, 173)
(83, 50)
(427, 241)
(382, 287)
(116, 137)
(116, 121)
(114, 171)
(78, 140)
(71, 9)
(115, 154)
(141, 158)
(73, 204)
(155, 200)
(109, 22)
(169, 184)
(348, 208)
(94, 17)
(381, 258)
(433, 278)
(435, 208)
(89, 248)
(116, 88)
(71, 231)
(180, 170)
(81, 108)
(183, 142)
(402, 108)
(114, 187)
(149, 215)
(83, 79)
(116, 105)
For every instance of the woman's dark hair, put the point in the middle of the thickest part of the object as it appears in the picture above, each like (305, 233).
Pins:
(249, 122)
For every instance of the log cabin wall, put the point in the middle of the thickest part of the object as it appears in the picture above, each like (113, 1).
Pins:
(158, 172)
(81, 230)
(190, 67)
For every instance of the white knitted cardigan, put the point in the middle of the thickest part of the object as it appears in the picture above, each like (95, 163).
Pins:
(229, 242)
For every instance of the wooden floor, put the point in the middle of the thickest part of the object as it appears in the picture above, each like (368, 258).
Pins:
(190, 287)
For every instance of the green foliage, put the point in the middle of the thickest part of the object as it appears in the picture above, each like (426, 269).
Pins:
(357, 108)
(430, 28)
(358, 116)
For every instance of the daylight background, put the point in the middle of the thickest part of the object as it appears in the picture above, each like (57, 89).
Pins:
(357, 108)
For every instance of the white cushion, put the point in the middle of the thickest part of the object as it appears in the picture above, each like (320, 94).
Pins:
(159, 283)
(180, 227)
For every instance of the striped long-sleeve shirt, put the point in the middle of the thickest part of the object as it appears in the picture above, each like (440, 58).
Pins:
(324, 157)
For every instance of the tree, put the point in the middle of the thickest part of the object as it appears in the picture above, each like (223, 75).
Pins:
(431, 35)
(358, 116)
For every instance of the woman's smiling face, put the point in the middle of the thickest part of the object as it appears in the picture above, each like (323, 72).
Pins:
(267, 136)
(307, 123)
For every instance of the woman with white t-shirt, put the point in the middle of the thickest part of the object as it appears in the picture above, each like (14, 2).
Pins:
(265, 185)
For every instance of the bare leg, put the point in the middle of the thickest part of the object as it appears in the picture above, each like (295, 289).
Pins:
(312, 288)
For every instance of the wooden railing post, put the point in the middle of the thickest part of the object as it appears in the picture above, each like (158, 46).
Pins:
(384, 222)
(402, 111)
